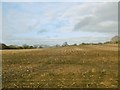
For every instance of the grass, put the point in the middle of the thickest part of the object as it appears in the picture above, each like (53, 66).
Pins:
(85, 66)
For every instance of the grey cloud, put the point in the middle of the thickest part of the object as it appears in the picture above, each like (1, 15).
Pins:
(108, 11)
(42, 31)
(108, 29)
(84, 22)
(104, 13)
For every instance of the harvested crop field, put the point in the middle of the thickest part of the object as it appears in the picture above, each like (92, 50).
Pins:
(84, 66)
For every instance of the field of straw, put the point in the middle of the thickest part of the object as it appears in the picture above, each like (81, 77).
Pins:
(84, 66)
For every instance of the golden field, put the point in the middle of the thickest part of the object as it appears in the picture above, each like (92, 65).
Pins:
(84, 66)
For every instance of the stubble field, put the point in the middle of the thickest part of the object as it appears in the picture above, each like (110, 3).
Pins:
(84, 66)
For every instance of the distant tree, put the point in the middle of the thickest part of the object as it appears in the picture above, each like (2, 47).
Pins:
(115, 39)
(13, 47)
(100, 43)
(40, 46)
(65, 44)
(25, 46)
(3, 46)
(31, 47)
(95, 43)
(57, 45)
(75, 44)
(36, 46)
(108, 42)
(83, 43)
(20, 47)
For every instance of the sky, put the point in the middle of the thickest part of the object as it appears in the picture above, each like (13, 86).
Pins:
(54, 23)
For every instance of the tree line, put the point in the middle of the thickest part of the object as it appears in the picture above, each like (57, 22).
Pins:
(4, 46)
(114, 40)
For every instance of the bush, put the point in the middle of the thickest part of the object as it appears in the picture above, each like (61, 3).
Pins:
(3, 46)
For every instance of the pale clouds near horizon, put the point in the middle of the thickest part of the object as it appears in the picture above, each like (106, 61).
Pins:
(53, 23)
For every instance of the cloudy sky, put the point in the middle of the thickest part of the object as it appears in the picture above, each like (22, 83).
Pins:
(57, 22)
